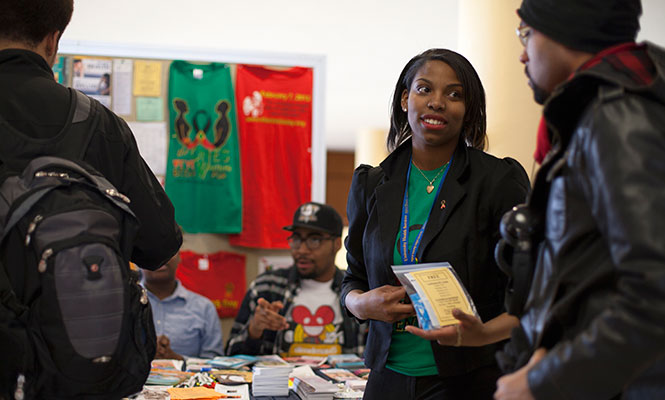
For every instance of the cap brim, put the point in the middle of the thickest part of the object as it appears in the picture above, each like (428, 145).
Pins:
(305, 226)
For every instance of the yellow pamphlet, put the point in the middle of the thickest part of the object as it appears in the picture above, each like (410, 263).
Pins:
(435, 290)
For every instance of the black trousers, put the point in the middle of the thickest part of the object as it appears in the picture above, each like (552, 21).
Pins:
(479, 384)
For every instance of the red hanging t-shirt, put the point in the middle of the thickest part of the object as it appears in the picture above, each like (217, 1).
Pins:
(275, 131)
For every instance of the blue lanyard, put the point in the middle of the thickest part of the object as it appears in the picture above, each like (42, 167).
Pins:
(410, 257)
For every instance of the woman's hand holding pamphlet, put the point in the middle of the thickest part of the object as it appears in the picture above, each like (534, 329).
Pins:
(435, 290)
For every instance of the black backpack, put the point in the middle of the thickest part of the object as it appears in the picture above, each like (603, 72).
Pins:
(74, 321)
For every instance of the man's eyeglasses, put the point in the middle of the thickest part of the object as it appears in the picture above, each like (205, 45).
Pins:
(523, 32)
(313, 242)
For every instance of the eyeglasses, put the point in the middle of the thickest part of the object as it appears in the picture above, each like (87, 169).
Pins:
(523, 32)
(313, 242)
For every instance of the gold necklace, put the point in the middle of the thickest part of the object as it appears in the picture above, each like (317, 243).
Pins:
(430, 187)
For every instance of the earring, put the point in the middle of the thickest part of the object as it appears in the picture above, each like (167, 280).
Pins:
(404, 109)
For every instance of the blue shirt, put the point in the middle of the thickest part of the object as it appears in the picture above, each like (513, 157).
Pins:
(190, 322)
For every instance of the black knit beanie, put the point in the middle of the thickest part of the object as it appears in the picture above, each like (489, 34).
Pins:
(585, 25)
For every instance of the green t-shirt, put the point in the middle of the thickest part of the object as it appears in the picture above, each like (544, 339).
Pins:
(409, 354)
(203, 169)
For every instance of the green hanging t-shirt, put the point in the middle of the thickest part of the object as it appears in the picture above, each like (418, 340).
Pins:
(203, 167)
(410, 354)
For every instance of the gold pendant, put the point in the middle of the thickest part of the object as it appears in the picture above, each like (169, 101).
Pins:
(430, 188)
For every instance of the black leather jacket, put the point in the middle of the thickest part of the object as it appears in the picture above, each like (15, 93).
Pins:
(597, 301)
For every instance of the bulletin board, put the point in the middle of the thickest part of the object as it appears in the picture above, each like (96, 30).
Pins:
(192, 54)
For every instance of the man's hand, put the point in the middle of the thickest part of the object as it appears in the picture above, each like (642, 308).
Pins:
(381, 304)
(266, 316)
(515, 386)
(164, 350)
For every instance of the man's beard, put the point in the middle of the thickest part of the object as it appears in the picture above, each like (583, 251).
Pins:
(540, 95)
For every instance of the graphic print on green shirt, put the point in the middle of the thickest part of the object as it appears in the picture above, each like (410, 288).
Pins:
(409, 354)
(203, 168)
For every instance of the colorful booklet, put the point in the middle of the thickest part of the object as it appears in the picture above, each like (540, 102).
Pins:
(232, 362)
(312, 361)
(232, 376)
(166, 372)
(362, 372)
(434, 289)
(345, 361)
(271, 361)
(338, 374)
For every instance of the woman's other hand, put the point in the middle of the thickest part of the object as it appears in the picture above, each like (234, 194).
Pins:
(381, 304)
(470, 331)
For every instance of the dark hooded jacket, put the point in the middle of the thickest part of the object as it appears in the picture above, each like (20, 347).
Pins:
(597, 301)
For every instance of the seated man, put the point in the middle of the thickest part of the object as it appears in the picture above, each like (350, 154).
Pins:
(186, 322)
(296, 311)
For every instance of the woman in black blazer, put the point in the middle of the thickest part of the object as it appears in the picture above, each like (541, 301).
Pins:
(456, 196)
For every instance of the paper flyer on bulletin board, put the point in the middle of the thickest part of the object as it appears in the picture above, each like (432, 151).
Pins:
(122, 86)
(149, 109)
(148, 78)
(92, 76)
(152, 139)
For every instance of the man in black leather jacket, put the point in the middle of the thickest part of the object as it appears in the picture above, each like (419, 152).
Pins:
(593, 326)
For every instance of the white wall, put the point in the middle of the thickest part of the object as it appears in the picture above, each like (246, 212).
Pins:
(653, 22)
(487, 38)
(366, 42)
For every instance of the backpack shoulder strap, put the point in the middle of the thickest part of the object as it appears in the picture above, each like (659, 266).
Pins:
(84, 122)
(73, 143)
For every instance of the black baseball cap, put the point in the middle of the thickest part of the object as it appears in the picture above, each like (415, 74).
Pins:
(317, 216)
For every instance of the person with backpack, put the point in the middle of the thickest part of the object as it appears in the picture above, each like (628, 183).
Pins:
(93, 200)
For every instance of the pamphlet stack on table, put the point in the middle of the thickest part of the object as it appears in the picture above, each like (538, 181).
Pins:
(271, 376)
(314, 388)
(347, 361)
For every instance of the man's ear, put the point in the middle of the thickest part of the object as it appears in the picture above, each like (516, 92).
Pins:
(50, 46)
(337, 244)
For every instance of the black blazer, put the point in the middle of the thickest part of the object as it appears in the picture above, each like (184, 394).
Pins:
(478, 190)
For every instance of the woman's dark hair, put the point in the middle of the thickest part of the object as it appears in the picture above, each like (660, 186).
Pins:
(473, 129)
(29, 21)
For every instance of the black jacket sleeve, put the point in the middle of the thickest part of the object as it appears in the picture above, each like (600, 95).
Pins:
(159, 237)
(356, 210)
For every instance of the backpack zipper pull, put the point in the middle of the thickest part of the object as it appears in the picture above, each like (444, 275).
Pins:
(19, 393)
(32, 227)
(42, 263)
(144, 295)
(115, 193)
